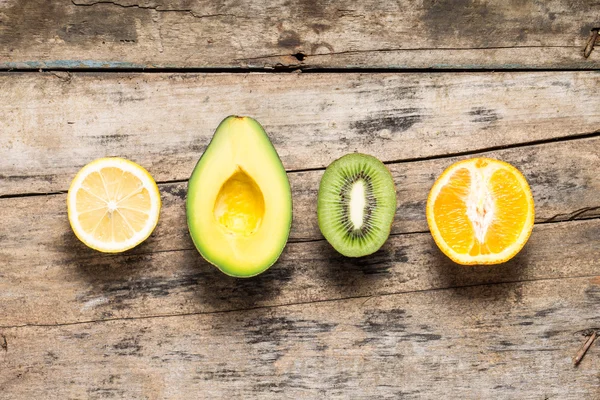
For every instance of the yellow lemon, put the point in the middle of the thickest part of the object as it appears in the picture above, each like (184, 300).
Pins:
(113, 204)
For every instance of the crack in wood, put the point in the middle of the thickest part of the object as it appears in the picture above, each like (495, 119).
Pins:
(155, 8)
(300, 303)
(474, 152)
(34, 194)
(587, 332)
(64, 76)
(494, 148)
(393, 50)
(572, 215)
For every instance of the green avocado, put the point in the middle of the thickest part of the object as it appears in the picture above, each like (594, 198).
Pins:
(239, 202)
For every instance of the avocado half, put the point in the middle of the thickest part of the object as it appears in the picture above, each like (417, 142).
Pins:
(239, 202)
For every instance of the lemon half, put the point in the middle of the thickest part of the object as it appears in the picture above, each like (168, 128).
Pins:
(113, 204)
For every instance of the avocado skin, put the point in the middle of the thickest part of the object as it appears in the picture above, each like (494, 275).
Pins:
(194, 189)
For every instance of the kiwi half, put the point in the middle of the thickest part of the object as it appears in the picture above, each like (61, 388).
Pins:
(356, 204)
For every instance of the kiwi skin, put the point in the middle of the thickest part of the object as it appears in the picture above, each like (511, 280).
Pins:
(334, 198)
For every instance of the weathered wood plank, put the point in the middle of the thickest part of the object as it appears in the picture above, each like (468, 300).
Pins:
(69, 289)
(342, 34)
(563, 177)
(501, 342)
(49, 276)
(52, 125)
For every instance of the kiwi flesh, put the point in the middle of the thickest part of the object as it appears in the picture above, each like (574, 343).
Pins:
(356, 204)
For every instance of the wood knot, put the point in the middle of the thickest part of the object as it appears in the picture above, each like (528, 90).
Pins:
(299, 56)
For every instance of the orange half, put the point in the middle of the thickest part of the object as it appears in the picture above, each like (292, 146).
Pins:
(480, 211)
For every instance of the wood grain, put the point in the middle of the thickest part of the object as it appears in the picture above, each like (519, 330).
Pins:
(441, 34)
(563, 178)
(53, 124)
(159, 322)
(501, 342)
(50, 277)
(71, 288)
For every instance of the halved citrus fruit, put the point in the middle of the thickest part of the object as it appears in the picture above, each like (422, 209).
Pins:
(113, 204)
(480, 211)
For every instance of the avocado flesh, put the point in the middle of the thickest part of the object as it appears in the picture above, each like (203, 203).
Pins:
(239, 202)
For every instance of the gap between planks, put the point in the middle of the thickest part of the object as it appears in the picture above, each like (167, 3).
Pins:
(295, 68)
(474, 152)
(300, 303)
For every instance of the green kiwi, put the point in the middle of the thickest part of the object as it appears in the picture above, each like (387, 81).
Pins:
(356, 204)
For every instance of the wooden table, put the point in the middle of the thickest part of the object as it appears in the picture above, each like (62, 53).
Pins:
(419, 84)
